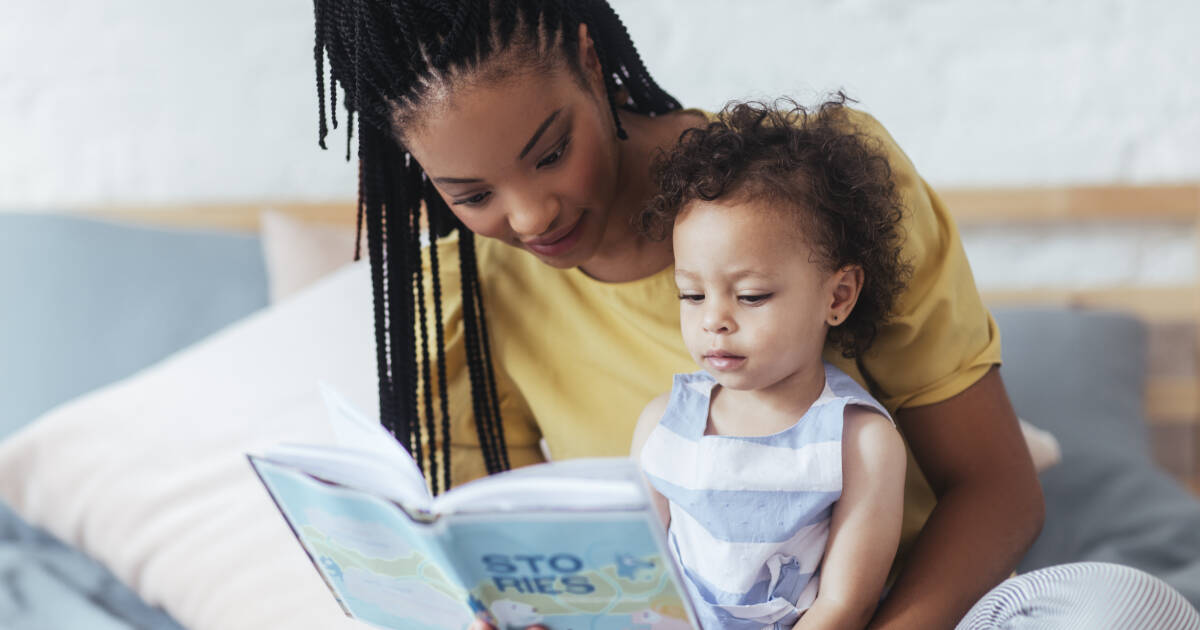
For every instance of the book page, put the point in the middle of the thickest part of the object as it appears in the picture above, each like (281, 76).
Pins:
(589, 483)
(600, 483)
(364, 470)
(356, 431)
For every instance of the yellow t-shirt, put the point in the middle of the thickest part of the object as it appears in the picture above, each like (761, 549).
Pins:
(577, 359)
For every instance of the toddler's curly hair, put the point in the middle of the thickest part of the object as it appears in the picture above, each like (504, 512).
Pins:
(835, 178)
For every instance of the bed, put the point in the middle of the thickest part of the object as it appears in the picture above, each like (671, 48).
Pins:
(143, 355)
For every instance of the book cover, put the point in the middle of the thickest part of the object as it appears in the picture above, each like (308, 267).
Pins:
(513, 561)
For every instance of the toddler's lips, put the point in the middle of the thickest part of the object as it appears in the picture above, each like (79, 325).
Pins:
(724, 361)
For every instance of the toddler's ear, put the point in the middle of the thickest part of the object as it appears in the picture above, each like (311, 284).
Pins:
(845, 286)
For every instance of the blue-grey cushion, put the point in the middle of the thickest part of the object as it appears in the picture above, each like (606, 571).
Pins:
(1080, 375)
(86, 302)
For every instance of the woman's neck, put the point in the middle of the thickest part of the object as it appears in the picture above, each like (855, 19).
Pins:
(624, 254)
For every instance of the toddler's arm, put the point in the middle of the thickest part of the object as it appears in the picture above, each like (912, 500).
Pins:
(645, 424)
(865, 529)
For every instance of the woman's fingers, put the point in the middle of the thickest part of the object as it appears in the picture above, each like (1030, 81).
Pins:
(483, 625)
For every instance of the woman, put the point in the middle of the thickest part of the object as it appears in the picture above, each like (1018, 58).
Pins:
(534, 125)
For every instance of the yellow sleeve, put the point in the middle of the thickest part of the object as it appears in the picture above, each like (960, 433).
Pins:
(520, 431)
(941, 339)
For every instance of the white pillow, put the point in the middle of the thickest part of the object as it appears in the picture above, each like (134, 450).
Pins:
(297, 253)
(149, 475)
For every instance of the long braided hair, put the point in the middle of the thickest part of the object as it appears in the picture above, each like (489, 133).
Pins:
(387, 56)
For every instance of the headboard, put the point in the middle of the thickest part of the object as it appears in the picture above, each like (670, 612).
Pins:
(1171, 313)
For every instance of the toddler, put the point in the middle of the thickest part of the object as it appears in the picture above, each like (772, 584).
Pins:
(778, 477)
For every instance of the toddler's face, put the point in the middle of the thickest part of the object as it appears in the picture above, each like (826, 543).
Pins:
(753, 302)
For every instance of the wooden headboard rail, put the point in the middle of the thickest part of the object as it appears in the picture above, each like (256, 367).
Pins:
(1155, 204)
(970, 206)
(240, 216)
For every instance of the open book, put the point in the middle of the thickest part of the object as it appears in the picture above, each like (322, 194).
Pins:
(571, 545)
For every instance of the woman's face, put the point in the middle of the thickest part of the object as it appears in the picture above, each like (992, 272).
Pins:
(531, 160)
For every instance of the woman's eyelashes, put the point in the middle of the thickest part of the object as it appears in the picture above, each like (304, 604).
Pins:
(474, 200)
(554, 156)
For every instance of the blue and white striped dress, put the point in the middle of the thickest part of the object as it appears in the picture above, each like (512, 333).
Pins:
(750, 515)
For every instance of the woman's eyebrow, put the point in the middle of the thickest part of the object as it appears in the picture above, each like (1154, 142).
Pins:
(538, 134)
(457, 180)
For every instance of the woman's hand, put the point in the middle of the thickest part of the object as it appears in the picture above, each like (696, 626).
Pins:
(479, 624)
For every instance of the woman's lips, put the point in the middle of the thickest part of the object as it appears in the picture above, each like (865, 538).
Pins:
(557, 244)
(724, 361)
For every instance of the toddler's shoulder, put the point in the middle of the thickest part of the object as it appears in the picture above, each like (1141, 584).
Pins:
(859, 417)
(868, 435)
(655, 408)
(651, 414)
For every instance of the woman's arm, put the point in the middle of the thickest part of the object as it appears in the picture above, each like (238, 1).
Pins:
(865, 528)
(989, 507)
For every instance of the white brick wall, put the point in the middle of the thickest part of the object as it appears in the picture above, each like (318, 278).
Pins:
(1009, 93)
(1090, 256)
(142, 101)
(138, 101)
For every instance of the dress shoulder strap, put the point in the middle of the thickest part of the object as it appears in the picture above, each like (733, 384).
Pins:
(839, 384)
(687, 408)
